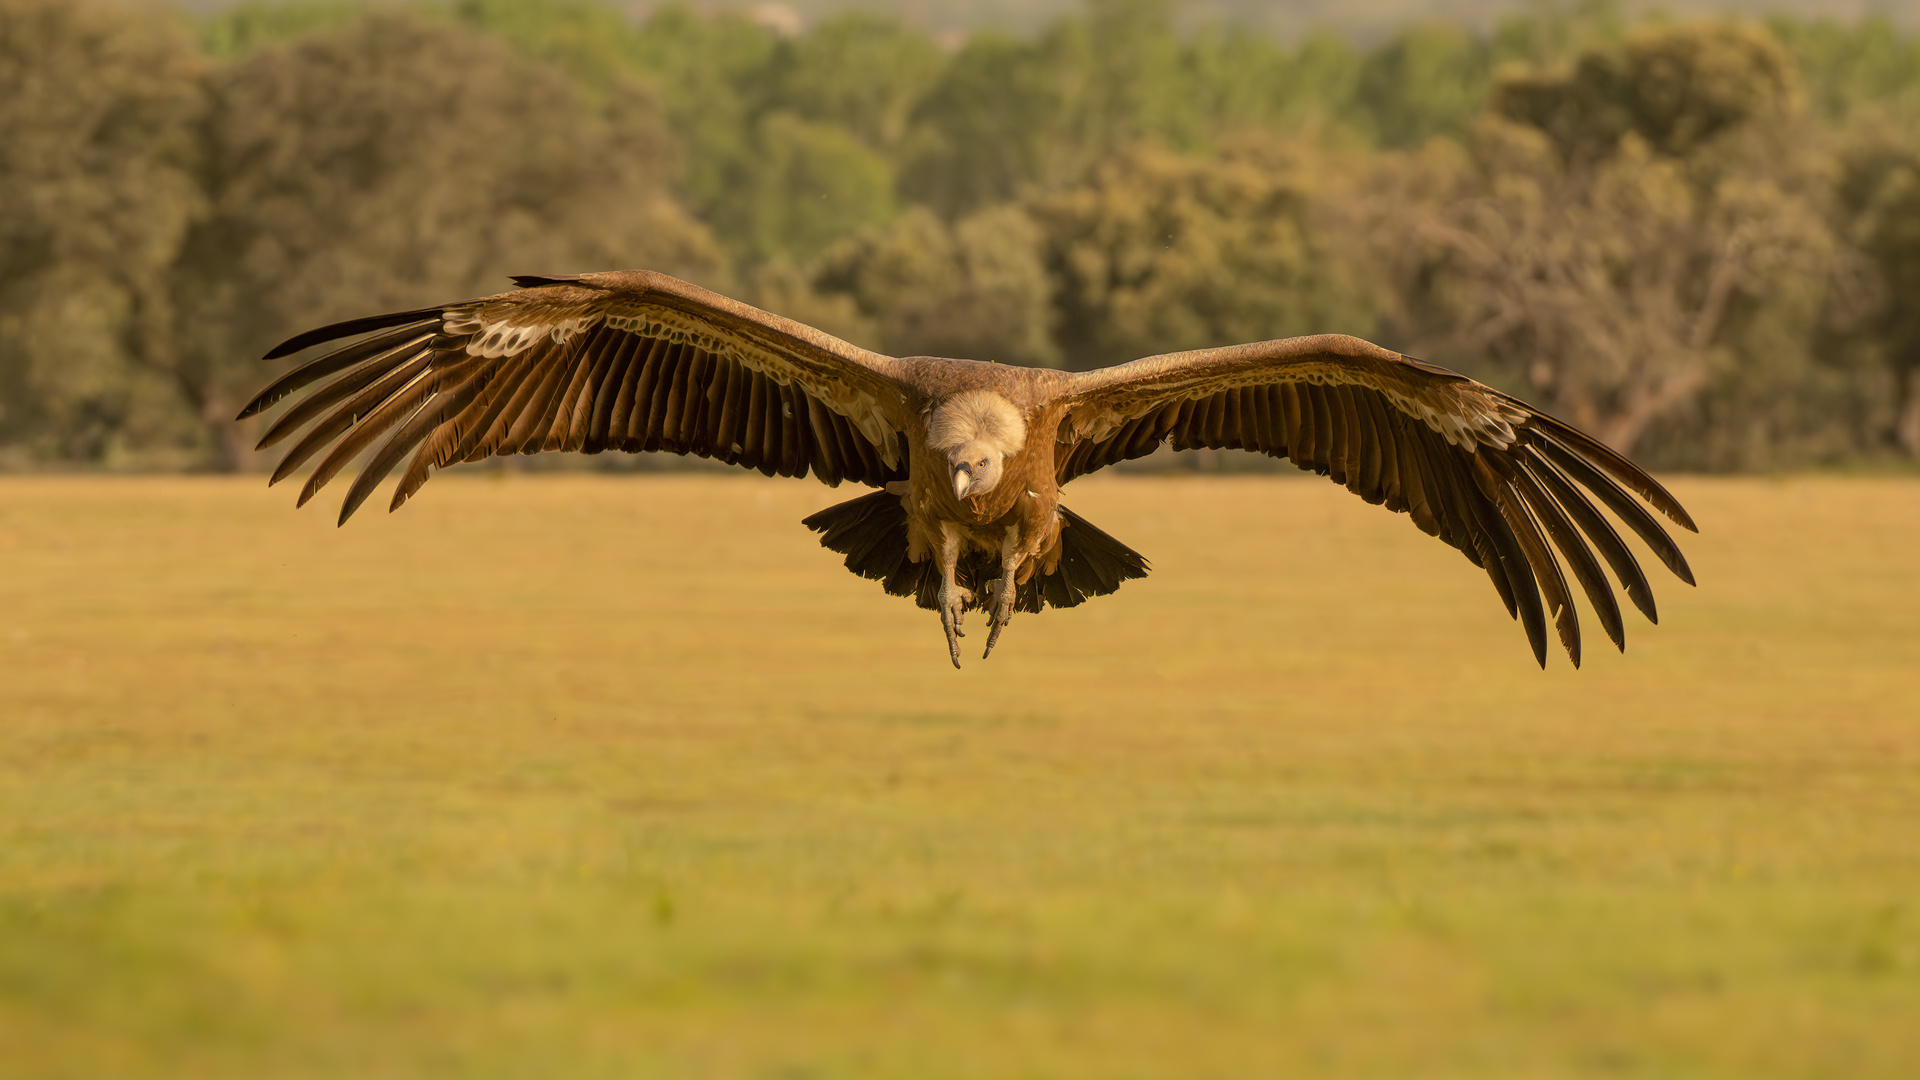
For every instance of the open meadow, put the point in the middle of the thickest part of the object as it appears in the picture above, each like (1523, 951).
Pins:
(595, 776)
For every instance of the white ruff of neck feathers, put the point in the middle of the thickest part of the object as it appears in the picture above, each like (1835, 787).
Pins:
(977, 416)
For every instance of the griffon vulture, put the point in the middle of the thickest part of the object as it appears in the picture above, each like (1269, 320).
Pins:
(968, 457)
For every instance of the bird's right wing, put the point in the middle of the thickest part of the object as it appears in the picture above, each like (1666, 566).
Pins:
(633, 361)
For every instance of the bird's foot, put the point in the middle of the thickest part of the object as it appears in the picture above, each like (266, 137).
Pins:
(953, 605)
(1003, 593)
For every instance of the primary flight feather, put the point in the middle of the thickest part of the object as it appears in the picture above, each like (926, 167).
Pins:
(969, 457)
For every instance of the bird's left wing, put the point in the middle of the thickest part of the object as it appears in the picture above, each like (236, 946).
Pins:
(633, 361)
(1482, 471)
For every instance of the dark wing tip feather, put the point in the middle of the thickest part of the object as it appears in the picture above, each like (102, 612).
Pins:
(356, 495)
(346, 356)
(1682, 571)
(1565, 536)
(1588, 472)
(1616, 465)
(349, 328)
(1643, 599)
(261, 402)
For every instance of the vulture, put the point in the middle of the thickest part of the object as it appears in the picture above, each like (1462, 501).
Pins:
(966, 458)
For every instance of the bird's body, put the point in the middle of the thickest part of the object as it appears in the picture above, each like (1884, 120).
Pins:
(968, 457)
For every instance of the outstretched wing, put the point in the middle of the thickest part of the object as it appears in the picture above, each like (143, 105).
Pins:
(631, 361)
(1484, 472)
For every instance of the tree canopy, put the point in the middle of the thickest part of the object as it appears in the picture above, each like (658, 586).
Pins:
(1699, 239)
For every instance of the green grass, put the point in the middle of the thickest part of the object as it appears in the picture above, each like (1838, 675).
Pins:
(570, 776)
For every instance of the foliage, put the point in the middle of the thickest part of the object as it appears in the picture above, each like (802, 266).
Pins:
(976, 288)
(257, 23)
(1867, 67)
(893, 69)
(1637, 238)
(1677, 89)
(99, 166)
(809, 184)
(986, 130)
(394, 162)
(1158, 252)
(1696, 238)
(1880, 194)
(1426, 82)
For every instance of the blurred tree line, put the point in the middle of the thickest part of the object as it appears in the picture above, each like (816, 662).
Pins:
(1700, 240)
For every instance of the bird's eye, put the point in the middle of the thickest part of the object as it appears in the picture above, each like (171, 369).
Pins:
(982, 464)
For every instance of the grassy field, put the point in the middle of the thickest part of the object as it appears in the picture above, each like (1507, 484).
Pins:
(572, 776)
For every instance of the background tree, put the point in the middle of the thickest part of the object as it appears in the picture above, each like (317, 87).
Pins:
(977, 288)
(1619, 236)
(790, 143)
(1645, 227)
(1880, 192)
(1241, 82)
(1159, 251)
(859, 72)
(1427, 81)
(1849, 70)
(396, 162)
(98, 167)
(987, 130)
(708, 76)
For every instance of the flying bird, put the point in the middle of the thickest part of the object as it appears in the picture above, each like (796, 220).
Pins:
(968, 457)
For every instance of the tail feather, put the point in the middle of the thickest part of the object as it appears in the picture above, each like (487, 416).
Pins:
(871, 532)
(1092, 563)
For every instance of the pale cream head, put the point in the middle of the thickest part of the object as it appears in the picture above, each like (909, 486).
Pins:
(977, 431)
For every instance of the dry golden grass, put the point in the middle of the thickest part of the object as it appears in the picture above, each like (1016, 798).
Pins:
(577, 776)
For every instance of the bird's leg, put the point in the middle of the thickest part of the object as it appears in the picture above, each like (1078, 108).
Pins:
(1004, 589)
(953, 598)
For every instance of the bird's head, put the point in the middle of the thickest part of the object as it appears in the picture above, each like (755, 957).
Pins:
(977, 431)
(975, 468)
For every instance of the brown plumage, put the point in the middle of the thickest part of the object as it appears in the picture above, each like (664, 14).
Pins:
(968, 457)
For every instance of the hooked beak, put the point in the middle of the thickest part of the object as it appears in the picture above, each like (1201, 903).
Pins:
(962, 480)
